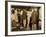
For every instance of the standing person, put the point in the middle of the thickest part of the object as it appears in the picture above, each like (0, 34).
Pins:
(29, 12)
(35, 17)
(14, 19)
(24, 18)
(20, 18)
(20, 12)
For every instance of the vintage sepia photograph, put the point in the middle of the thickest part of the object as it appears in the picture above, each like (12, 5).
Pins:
(25, 18)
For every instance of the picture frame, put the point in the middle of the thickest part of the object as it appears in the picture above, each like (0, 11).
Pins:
(9, 5)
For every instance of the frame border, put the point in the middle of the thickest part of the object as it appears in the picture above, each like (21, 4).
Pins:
(6, 18)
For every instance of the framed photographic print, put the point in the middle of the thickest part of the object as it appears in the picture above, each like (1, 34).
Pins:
(24, 18)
